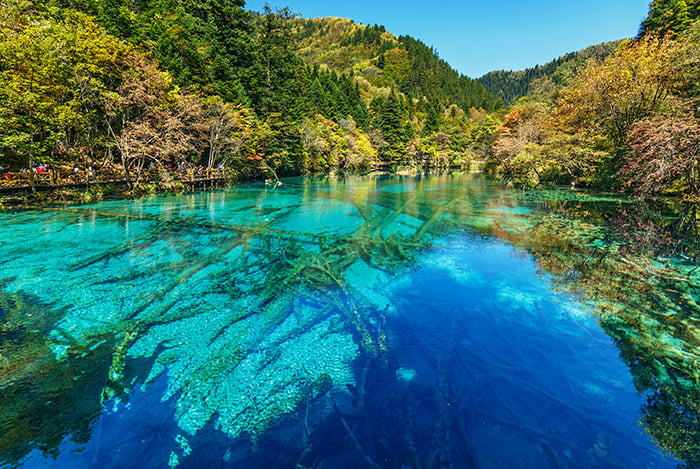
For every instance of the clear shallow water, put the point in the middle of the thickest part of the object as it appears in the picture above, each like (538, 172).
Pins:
(352, 322)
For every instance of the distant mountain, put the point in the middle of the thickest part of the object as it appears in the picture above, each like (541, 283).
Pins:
(509, 86)
(378, 61)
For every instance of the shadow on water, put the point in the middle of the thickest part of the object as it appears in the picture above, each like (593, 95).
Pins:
(44, 400)
(431, 321)
(638, 264)
(52, 389)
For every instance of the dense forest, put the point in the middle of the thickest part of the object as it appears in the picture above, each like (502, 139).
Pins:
(670, 16)
(509, 86)
(627, 121)
(381, 60)
(132, 84)
(157, 82)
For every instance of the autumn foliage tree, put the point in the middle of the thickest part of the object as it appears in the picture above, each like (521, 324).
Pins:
(141, 116)
(626, 87)
(517, 144)
(579, 133)
(54, 74)
(328, 145)
(664, 147)
(228, 130)
(664, 154)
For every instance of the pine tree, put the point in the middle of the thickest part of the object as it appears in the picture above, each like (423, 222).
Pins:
(432, 120)
(389, 122)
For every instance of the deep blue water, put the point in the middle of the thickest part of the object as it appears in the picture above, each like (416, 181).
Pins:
(361, 322)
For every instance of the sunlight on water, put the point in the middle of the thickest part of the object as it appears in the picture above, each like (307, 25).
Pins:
(376, 321)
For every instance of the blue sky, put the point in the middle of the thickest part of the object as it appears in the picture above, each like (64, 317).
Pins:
(476, 37)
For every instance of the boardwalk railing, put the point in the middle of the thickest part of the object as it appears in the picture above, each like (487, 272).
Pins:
(55, 178)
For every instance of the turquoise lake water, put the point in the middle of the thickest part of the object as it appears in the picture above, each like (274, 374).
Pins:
(361, 321)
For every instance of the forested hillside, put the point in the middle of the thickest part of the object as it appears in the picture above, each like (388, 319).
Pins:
(627, 121)
(509, 86)
(155, 83)
(670, 15)
(382, 60)
(144, 83)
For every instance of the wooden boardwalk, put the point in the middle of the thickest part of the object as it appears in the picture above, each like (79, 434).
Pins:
(55, 179)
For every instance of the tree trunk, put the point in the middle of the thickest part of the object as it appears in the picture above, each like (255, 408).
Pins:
(121, 154)
(693, 179)
(213, 137)
(30, 170)
(127, 177)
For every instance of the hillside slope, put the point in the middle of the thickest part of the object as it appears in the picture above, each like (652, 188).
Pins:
(509, 86)
(380, 61)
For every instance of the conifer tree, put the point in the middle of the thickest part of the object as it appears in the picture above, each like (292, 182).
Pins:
(432, 120)
(389, 121)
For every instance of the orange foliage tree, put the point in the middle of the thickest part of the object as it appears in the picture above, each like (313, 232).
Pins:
(664, 154)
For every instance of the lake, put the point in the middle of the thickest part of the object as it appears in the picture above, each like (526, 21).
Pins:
(343, 322)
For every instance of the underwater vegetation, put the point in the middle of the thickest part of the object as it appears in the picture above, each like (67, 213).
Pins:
(332, 322)
(43, 400)
(638, 264)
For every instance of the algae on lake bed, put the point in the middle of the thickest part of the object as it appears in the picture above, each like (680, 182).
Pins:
(293, 316)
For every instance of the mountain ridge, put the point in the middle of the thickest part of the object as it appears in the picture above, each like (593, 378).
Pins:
(511, 85)
(380, 60)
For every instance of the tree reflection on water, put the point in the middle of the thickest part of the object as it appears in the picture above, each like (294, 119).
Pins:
(265, 291)
(639, 265)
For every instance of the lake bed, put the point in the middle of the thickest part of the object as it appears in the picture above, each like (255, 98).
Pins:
(360, 321)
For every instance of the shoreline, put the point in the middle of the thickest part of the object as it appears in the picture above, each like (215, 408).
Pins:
(23, 198)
